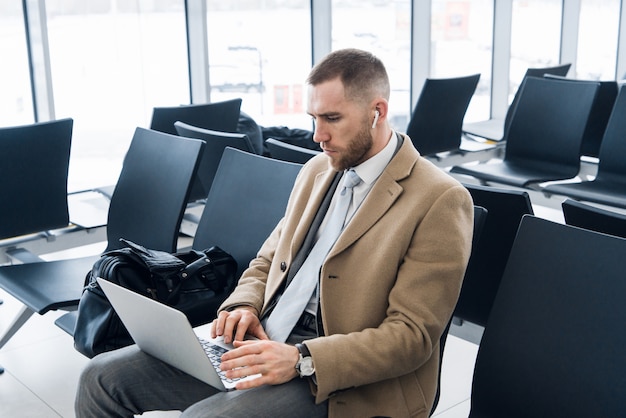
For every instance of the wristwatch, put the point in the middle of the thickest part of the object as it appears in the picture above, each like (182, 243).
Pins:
(304, 366)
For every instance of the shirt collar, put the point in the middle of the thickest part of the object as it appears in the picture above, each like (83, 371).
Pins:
(370, 169)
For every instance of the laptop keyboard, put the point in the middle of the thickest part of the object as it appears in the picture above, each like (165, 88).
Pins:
(214, 352)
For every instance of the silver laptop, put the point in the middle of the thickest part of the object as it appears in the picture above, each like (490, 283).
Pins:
(165, 333)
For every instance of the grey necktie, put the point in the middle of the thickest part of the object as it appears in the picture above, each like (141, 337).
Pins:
(291, 305)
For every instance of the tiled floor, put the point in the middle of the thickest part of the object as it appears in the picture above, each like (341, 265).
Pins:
(42, 369)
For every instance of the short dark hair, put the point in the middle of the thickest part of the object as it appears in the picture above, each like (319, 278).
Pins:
(363, 75)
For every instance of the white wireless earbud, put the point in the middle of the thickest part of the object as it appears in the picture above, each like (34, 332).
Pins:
(375, 119)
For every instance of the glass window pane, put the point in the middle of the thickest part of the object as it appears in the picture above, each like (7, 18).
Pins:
(260, 51)
(112, 62)
(597, 39)
(462, 33)
(382, 27)
(535, 37)
(16, 104)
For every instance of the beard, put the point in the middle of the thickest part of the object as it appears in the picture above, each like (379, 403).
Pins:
(356, 150)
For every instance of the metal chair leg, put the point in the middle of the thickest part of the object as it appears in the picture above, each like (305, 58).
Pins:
(20, 320)
(1, 368)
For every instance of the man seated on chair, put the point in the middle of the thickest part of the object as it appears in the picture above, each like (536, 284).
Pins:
(366, 342)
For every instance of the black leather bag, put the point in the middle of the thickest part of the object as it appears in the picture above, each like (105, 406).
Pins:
(189, 281)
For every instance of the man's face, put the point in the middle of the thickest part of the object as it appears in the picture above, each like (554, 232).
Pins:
(342, 127)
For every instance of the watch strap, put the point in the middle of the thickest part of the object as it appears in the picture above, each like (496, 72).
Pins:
(304, 351)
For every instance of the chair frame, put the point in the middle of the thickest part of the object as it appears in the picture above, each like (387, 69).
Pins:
(220, 116)
(288, 152)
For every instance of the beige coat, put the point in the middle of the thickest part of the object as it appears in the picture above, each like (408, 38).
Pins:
(388, 287)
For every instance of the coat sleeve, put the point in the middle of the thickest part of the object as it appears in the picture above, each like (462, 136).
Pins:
(250, 289)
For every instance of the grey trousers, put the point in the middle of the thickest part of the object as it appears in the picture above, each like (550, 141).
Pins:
(128, 382)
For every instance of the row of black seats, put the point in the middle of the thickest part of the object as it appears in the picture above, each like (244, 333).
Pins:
(545, 294)
(506, 208)
(544, 141)
(553, 346)
(146, 206)
(437, 120)
(221, 125)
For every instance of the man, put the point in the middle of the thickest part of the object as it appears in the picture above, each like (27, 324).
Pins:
(381, 296)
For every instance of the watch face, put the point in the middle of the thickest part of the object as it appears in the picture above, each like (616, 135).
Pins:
(306, 367)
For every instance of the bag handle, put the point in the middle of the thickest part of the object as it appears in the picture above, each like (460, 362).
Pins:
(158, 262)
(210, 262)
(200, 264)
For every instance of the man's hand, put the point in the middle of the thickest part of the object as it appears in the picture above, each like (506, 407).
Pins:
(234, 325)
(274, 361)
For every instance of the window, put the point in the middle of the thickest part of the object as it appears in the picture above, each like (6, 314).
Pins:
(462, 33)
(535, 37)
(382, 27)
(597, 40)
(260, 51)
(112, 62)
(16, 104)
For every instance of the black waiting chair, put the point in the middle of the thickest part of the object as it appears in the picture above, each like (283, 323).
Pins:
(553, 346)
(544, 139)
(486, 266)
(289, 152)
(218, 116)
(437, 119)
(216, 142)
(594, 218)
(34, 162)
(598, 117)
(609, 185)
(248, 198)
(494, 129)
(146, 207)
(480, 216)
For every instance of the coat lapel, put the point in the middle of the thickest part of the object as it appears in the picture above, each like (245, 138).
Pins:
(376, 204)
